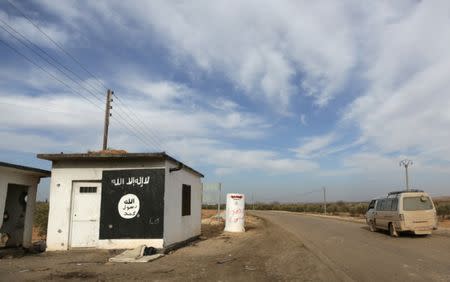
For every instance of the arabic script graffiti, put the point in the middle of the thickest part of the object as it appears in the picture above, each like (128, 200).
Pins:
(131, 181)
(128, 206)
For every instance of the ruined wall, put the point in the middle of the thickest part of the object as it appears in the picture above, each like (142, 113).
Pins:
(12, 176)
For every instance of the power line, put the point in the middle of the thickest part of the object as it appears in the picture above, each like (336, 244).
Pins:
(135, 128)
(129, 129)
(46, 53)
(71, 88)
(47, 72)
(65, 74)
(50, 63)
(57, 44)
(144, 126)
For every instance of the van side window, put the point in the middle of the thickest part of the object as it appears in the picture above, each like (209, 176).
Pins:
(379, 204)
(371, 205)
(388, 206)
(394, 205)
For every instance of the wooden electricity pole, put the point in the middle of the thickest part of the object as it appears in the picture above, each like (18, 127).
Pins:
(324, 200)
(107, 115)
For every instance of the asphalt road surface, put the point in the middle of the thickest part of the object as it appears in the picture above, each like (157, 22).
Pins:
(354, 252)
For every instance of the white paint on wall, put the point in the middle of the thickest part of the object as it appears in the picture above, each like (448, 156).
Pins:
(176, 227)
(64, 174)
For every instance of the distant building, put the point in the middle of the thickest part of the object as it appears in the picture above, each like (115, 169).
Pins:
(122, 200)
(18, 189)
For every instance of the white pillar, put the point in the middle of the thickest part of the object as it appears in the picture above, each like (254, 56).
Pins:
(29, 214)
(235, 214)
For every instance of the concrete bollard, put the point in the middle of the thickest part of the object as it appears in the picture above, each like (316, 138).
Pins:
(235, 213)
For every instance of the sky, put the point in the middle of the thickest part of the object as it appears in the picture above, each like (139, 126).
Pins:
(274, 99)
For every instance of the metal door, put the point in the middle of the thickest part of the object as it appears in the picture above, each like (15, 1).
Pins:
(85, 215)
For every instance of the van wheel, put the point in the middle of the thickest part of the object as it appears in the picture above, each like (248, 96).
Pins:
(372, 226)
(392, 230)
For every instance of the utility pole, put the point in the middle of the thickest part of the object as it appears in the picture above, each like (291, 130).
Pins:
(324, 200)
(406, 163)
(107, 115)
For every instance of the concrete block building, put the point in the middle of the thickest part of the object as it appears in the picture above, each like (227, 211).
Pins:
(121, 201)
(18, 189)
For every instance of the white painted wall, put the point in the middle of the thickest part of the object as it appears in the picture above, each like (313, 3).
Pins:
(176, 227)
(65, 173)
(14, 176)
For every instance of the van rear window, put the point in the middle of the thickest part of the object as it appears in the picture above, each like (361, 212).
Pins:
(417, 203)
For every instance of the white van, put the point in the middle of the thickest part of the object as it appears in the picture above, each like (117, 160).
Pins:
(400, 211)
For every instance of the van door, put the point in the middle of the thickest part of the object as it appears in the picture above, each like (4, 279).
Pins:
(419, 213)
(382, 214)
(85, 216)
(371, 211)
(388, 213)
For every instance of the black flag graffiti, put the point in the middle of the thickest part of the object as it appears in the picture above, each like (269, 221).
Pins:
(132, 204)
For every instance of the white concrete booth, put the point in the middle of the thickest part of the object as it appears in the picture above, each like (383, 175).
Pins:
(121, 201)
(18, 189)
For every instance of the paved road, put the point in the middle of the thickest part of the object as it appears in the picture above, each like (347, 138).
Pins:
(358, 254)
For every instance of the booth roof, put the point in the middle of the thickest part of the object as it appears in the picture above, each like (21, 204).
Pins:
(115, 156)
(39, 172)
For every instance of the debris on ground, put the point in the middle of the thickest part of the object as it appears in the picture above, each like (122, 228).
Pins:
(137, 255)
(225, 260)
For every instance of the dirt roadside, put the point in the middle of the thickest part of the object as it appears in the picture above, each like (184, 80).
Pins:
(263, 253)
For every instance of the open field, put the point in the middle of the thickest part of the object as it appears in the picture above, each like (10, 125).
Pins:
(344, 209)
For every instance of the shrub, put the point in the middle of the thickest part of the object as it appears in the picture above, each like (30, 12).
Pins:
(41, 217)
(443, 209)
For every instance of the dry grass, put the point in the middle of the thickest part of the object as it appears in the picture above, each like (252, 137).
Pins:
(208, 213)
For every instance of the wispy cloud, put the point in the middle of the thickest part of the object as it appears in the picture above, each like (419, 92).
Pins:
(303, 120)
(214, 81)
(312, 146)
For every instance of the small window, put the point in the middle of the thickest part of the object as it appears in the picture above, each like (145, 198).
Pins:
(371, 205)
(88, 189)
(379, 205)
(186, 200)
(383, 205)
(417, 203)
(394, 204)
(388, 205)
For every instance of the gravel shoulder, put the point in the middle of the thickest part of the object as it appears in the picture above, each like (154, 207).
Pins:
(263, 253)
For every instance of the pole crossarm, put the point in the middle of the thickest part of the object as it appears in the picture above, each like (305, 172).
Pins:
(406, 163)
